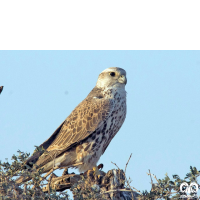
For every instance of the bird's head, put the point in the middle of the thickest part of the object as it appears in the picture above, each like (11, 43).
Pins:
(112, 77)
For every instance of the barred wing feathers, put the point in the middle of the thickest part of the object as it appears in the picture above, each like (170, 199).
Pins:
(88, 116)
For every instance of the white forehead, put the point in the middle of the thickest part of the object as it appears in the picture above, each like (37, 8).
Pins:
(104, 80)
(114, 69)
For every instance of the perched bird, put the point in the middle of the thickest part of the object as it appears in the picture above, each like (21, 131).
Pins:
(1, 89)
(86, 133)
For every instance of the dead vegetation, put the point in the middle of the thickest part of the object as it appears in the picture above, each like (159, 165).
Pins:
(111, 185)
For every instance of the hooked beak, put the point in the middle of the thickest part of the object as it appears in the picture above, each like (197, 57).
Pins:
(122, 79)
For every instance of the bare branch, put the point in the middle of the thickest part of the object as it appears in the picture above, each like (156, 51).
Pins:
(127, 163)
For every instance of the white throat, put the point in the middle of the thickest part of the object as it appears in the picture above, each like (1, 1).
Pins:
(110, 92)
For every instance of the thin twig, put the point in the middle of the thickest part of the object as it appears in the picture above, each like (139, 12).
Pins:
(115, 165)
(153, 176)
(135, 189)
(48, 173)
(127, 163)
(150, 177)
(126, 178)
(117, 190)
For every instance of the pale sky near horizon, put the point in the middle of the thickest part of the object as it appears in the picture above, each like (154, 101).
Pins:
(161, 130)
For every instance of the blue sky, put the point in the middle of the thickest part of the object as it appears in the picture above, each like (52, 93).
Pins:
(161, 130)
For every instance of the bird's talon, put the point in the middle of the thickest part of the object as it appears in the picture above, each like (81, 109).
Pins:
(100, 166)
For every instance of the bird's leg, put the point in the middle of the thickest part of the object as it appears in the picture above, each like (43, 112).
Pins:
(96, 171)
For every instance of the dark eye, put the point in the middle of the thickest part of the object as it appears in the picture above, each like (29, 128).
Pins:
(112, 73)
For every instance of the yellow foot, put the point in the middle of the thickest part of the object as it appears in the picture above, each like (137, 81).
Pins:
(96, 172)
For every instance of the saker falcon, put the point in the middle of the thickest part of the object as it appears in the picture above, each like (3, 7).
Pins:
(86, 133)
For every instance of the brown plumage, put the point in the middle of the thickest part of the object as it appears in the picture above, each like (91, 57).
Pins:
(85, 134)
